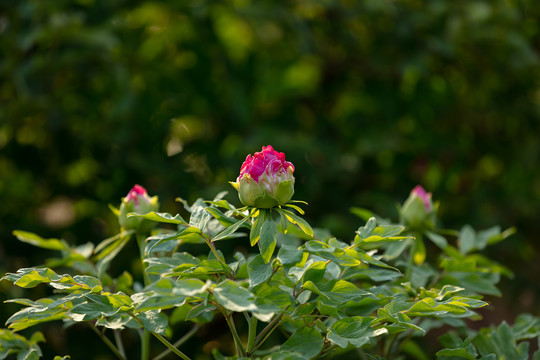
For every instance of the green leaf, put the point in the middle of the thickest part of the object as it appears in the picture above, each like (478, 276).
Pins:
(289, 255)
(36, 314)
(526, 326)
(437, 239)
(467, 239)
(154, 321)
(259, 271)
(501, 343)
(199, 216)
(275, 294)
(398, 320)
(231, 229)
(36, 240)
(255, 233)
(315, 272)
(233, 297)
(105, 243)
(160, 217)
(386, 231)
(188, 235)
(482, 283)
(354, 331)
(340, 256)
(359, 254)
(160, 302)
(306, 341)
(337, 292)
(267, 239)
(221, 203)
(220, 216)
(31, 277)
(199, 310)
(109, 253)
(118, 321)
(12, 343)
(104, 304)
(295, 219)
(362, 213)
(177, 262)
(365, 231)
(266, 309)
(297, 208)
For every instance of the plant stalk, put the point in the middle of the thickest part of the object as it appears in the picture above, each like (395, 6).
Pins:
(145, 336)
(107, 341)
(251, 333)
(180, 341)
(161, 338)
(241, 352)
(224, 265)
(170, 346)
(119, 343)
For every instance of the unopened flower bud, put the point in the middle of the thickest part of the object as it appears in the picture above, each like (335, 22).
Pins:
(137, 201)
(266, 179)
(418, 211)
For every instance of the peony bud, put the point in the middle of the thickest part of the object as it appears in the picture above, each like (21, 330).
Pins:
(266, 179)
(137, 201)
(418, 210)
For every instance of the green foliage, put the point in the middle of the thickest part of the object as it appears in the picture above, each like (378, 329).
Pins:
(13, 343)
(325, 295)
(501, 342)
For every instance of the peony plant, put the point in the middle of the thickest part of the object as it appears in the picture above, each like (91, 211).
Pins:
(371, 296)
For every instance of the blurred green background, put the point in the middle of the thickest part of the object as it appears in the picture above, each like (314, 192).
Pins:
(367, 98)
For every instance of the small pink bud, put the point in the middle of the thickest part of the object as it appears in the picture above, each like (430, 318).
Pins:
(137, 201)
(136, 192)
(422, 194)
(417, 211)
(266, 179)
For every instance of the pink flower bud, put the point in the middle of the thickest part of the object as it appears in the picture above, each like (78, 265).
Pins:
(137, 201)
(422, 194)
(417, 211)
(136, 192)
(266, 179)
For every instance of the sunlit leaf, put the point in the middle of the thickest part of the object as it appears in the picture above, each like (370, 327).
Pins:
(36, 240)
(160, 217)
(354, 331)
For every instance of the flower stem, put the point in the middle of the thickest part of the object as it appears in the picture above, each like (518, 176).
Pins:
(240, 351)
(119, 342)
(145, 336)
(252, 333)
(145, 344)
(180, 341)
(262, 337)
(170, 346)
(141, 241)
(106, 341)
(161, 338)
(224, 265)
